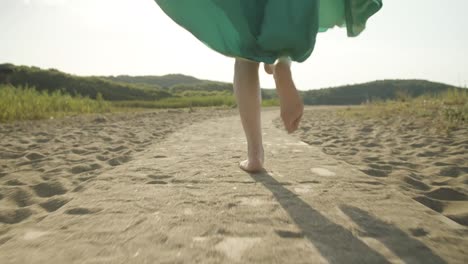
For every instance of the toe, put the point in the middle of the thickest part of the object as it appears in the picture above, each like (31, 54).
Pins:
(294, 125)
(243, 165)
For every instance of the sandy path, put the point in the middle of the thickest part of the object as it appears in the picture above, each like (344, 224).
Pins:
(184, 200)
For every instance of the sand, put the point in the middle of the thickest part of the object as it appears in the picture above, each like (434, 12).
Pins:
(43, 162)
(428, 165)
(165, 187)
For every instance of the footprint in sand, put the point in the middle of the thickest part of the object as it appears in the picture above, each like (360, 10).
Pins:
(14, 182)
(380, 166)
(118, 148)
(450, 171)
(21, 197)
(85, 168)
(447, 194)
(435, 205)
(158, 179)
(418, 232)
(42, 140)
(54, 204)
(79, 151)
(289, 234)
(416, 184)
(10, 155)
(82, 211)
(375, 172)
(156, 182)
(313, 181)
(34, 156)
(49, 189)
(14, 216)
(119, 160)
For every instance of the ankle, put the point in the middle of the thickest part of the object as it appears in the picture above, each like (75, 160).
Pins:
(255, 152)
(255, 149)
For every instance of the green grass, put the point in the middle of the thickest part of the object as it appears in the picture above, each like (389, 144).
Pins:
(270, 102)
(187, 102)
(26, 103)
(445, 111)
(180, 102)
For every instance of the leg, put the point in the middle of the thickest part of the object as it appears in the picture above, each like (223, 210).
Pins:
(248, 97)
(291, 104)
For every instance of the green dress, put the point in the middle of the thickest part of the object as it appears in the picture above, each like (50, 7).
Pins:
(265, 30)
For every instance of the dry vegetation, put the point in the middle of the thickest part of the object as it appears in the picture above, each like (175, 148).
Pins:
(443, 112)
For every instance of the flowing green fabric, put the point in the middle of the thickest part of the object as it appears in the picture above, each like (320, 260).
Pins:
(265, 30)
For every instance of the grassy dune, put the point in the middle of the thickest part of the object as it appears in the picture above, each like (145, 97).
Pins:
(27, 103)
(444, 111)
(180, 102)
(186, 102)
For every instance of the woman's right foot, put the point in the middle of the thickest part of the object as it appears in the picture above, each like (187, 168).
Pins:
(291, 113)
(291, 103)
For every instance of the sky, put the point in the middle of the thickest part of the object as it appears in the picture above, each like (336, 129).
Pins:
(416, 39)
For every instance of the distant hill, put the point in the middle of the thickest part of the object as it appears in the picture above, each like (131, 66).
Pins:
(377, 90)
(165, 81)
(124, 87)
(174, 83)
(118, 88)
(52, 80)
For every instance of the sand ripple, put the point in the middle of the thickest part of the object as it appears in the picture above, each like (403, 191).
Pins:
(430, 166)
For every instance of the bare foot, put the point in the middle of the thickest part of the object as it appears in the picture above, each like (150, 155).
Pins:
(269, 68)
(291, 104)
(292, 109)
(254, 163)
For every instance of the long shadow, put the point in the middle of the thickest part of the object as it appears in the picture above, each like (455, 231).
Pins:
(335, 243)
(410, 250)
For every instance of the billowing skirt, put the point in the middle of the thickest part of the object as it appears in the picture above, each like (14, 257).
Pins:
(265, 30)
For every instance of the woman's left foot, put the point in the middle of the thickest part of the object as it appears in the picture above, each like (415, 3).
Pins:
(251, 165)
(255, 160)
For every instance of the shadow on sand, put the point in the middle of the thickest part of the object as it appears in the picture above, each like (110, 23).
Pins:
(409, 249)
(337, 244)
